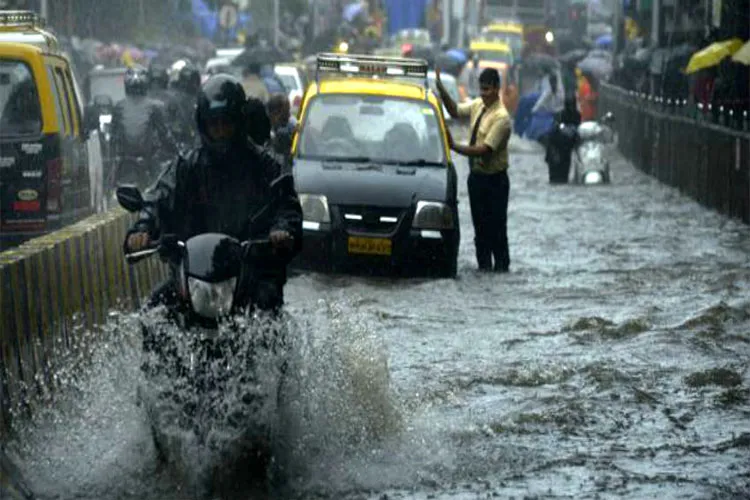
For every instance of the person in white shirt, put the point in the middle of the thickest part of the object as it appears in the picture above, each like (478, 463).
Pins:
(552, 99)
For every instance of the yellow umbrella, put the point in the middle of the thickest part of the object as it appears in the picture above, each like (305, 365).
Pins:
(713, 54)
(743, 55)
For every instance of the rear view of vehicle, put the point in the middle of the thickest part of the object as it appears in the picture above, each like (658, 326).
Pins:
(508, 33)
(492, 54)
(44, 173)
(24, 151)
(591, 158)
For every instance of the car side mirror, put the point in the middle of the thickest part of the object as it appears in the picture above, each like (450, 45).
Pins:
(130, 197)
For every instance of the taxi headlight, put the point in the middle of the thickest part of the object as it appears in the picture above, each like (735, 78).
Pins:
(211, 300)
(594, 177)
(433, 215)
(314, 208)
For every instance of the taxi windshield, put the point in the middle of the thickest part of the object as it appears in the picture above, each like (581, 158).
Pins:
(20, 113)
(381, 129)
(493, 55)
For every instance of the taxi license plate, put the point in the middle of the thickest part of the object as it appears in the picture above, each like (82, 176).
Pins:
(369, 246)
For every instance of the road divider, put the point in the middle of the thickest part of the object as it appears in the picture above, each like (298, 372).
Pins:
(51, 285)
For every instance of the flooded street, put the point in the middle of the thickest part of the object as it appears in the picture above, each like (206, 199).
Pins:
(611, 361)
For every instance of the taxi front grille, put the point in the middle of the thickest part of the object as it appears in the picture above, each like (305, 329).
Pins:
(378, 220)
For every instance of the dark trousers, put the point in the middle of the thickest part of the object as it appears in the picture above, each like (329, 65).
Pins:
(488, 196)
(558, 157)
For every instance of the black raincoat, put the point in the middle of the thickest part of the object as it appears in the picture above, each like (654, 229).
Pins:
(139, 128)
(198, 194)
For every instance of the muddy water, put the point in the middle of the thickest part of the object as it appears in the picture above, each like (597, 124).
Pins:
(611, 361)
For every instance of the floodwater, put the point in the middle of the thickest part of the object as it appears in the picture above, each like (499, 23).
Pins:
(611, 361)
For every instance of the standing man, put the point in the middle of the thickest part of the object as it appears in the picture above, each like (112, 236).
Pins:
(488, 158)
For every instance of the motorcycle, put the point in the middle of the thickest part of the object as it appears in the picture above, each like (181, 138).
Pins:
(210, 361)
(592, 153)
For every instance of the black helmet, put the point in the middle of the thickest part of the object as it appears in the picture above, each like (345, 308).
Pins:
(158, 76)
(188, 78)
(136, 81)
(221, 96)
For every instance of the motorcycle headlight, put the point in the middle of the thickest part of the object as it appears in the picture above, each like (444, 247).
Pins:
(433, 215)
(211, 300)
(314, 208)
(593, 178)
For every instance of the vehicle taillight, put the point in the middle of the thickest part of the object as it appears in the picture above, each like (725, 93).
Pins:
(54, 185)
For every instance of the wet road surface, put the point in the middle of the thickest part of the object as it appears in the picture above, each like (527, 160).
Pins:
(611, 361)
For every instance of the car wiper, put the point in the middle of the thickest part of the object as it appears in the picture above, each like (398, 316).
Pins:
(421, 162)
(347, 159)
(370, 166)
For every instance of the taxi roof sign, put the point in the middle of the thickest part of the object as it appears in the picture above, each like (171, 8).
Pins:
(21, 18)
(371, 65)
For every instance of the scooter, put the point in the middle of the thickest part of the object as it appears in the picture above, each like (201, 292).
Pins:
(592, 153)
(209, 347)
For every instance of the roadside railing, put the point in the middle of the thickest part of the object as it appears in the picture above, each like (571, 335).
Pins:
(53, 287)
(708, 162)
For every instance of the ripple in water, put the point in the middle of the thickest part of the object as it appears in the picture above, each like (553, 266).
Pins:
(92, 437)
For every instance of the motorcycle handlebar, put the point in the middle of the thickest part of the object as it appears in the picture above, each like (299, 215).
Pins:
(252, 248)
(165, 242)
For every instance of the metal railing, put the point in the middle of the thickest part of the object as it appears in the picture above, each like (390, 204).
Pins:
(708, 162)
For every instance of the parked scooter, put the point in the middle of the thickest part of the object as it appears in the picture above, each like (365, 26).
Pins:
(591, 159)
(210, 348)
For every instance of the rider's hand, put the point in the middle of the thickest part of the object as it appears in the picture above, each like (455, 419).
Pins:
(281, 239)
(138, 241)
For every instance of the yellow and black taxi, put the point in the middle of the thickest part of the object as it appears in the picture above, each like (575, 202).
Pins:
(492, 54)
(44, 171)
(373, 168)
(507, 32)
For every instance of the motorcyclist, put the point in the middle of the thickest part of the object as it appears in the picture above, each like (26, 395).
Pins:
(561, 142)
(219, 187)
(159, 89)
(139, 131)
(186, 85)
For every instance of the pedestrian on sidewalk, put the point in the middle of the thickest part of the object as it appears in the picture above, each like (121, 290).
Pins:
(487, 150)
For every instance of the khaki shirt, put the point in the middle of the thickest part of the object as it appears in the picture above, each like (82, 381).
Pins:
(494, 128)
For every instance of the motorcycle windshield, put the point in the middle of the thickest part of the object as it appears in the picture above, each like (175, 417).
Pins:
(213, 257)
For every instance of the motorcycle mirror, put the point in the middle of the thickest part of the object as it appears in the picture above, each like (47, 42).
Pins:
(129, 197)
